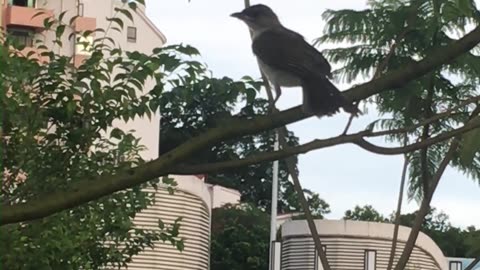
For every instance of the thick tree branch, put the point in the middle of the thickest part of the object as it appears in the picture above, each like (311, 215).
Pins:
(85, 190)
(356, 138)
(425, 135)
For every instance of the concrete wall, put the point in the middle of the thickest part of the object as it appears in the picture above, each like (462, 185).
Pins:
(222, 195)
(347, 241)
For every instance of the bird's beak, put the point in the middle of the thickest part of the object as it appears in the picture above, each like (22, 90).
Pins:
(240, 16)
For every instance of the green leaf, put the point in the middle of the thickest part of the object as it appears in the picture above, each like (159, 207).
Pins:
(117, 21)
(60, 30)
(180, 245)
(125, 12)
(470, 145)
(161, 225)
(73, 19)
(117, 133)
(40, 13)
(47, 23)
(251, 94)
(62, 14)
(465, 6)
(71, 107)
(132, 5)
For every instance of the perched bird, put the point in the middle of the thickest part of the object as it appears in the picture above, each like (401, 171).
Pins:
(288, 60)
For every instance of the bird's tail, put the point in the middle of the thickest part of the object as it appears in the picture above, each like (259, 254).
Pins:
(321, 97)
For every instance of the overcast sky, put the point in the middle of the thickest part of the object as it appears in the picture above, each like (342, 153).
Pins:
(343, 175)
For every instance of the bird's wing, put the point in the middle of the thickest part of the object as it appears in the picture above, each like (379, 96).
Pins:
(288, 51)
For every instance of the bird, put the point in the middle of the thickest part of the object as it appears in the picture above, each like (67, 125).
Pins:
(287, 60)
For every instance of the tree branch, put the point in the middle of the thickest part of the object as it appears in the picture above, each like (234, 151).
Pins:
(425, 205)
(88, 189)
(473, 264)
(356, 138)
(396, 227)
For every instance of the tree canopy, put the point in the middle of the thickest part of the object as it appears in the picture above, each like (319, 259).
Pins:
(240, 238)
(392, 34)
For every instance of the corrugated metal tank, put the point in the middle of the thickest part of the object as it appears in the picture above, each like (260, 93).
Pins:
(346, 244)
(191, 201)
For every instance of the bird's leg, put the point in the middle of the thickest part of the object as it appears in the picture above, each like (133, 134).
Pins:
(278, 93)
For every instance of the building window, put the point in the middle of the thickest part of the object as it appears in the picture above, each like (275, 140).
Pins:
(131, 34)
(370, 260)
(22, 37)
(22, 3)
(80, 9)
(455, 265)
(318, 263)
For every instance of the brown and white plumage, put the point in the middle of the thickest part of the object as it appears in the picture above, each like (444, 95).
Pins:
(288, 60)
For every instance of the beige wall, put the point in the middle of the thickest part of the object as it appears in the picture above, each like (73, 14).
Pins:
(222, 195)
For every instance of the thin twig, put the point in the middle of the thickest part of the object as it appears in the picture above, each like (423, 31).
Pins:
(393, 249)
(349, 123)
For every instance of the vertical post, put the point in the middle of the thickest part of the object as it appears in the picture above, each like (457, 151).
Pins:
(273, 215)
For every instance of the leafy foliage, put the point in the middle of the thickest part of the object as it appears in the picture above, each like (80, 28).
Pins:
(240, 238)
(58, 127)
(453, 241)
(392, 33)
(365, 213)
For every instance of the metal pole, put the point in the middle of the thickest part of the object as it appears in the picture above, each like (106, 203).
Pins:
(273, 215)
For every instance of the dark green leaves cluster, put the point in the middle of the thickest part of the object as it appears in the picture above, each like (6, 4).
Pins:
(240, 238)
(365, 213)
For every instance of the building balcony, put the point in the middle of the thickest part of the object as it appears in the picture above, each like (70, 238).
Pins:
(25, 16)
(82, 24)
(78, 59)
